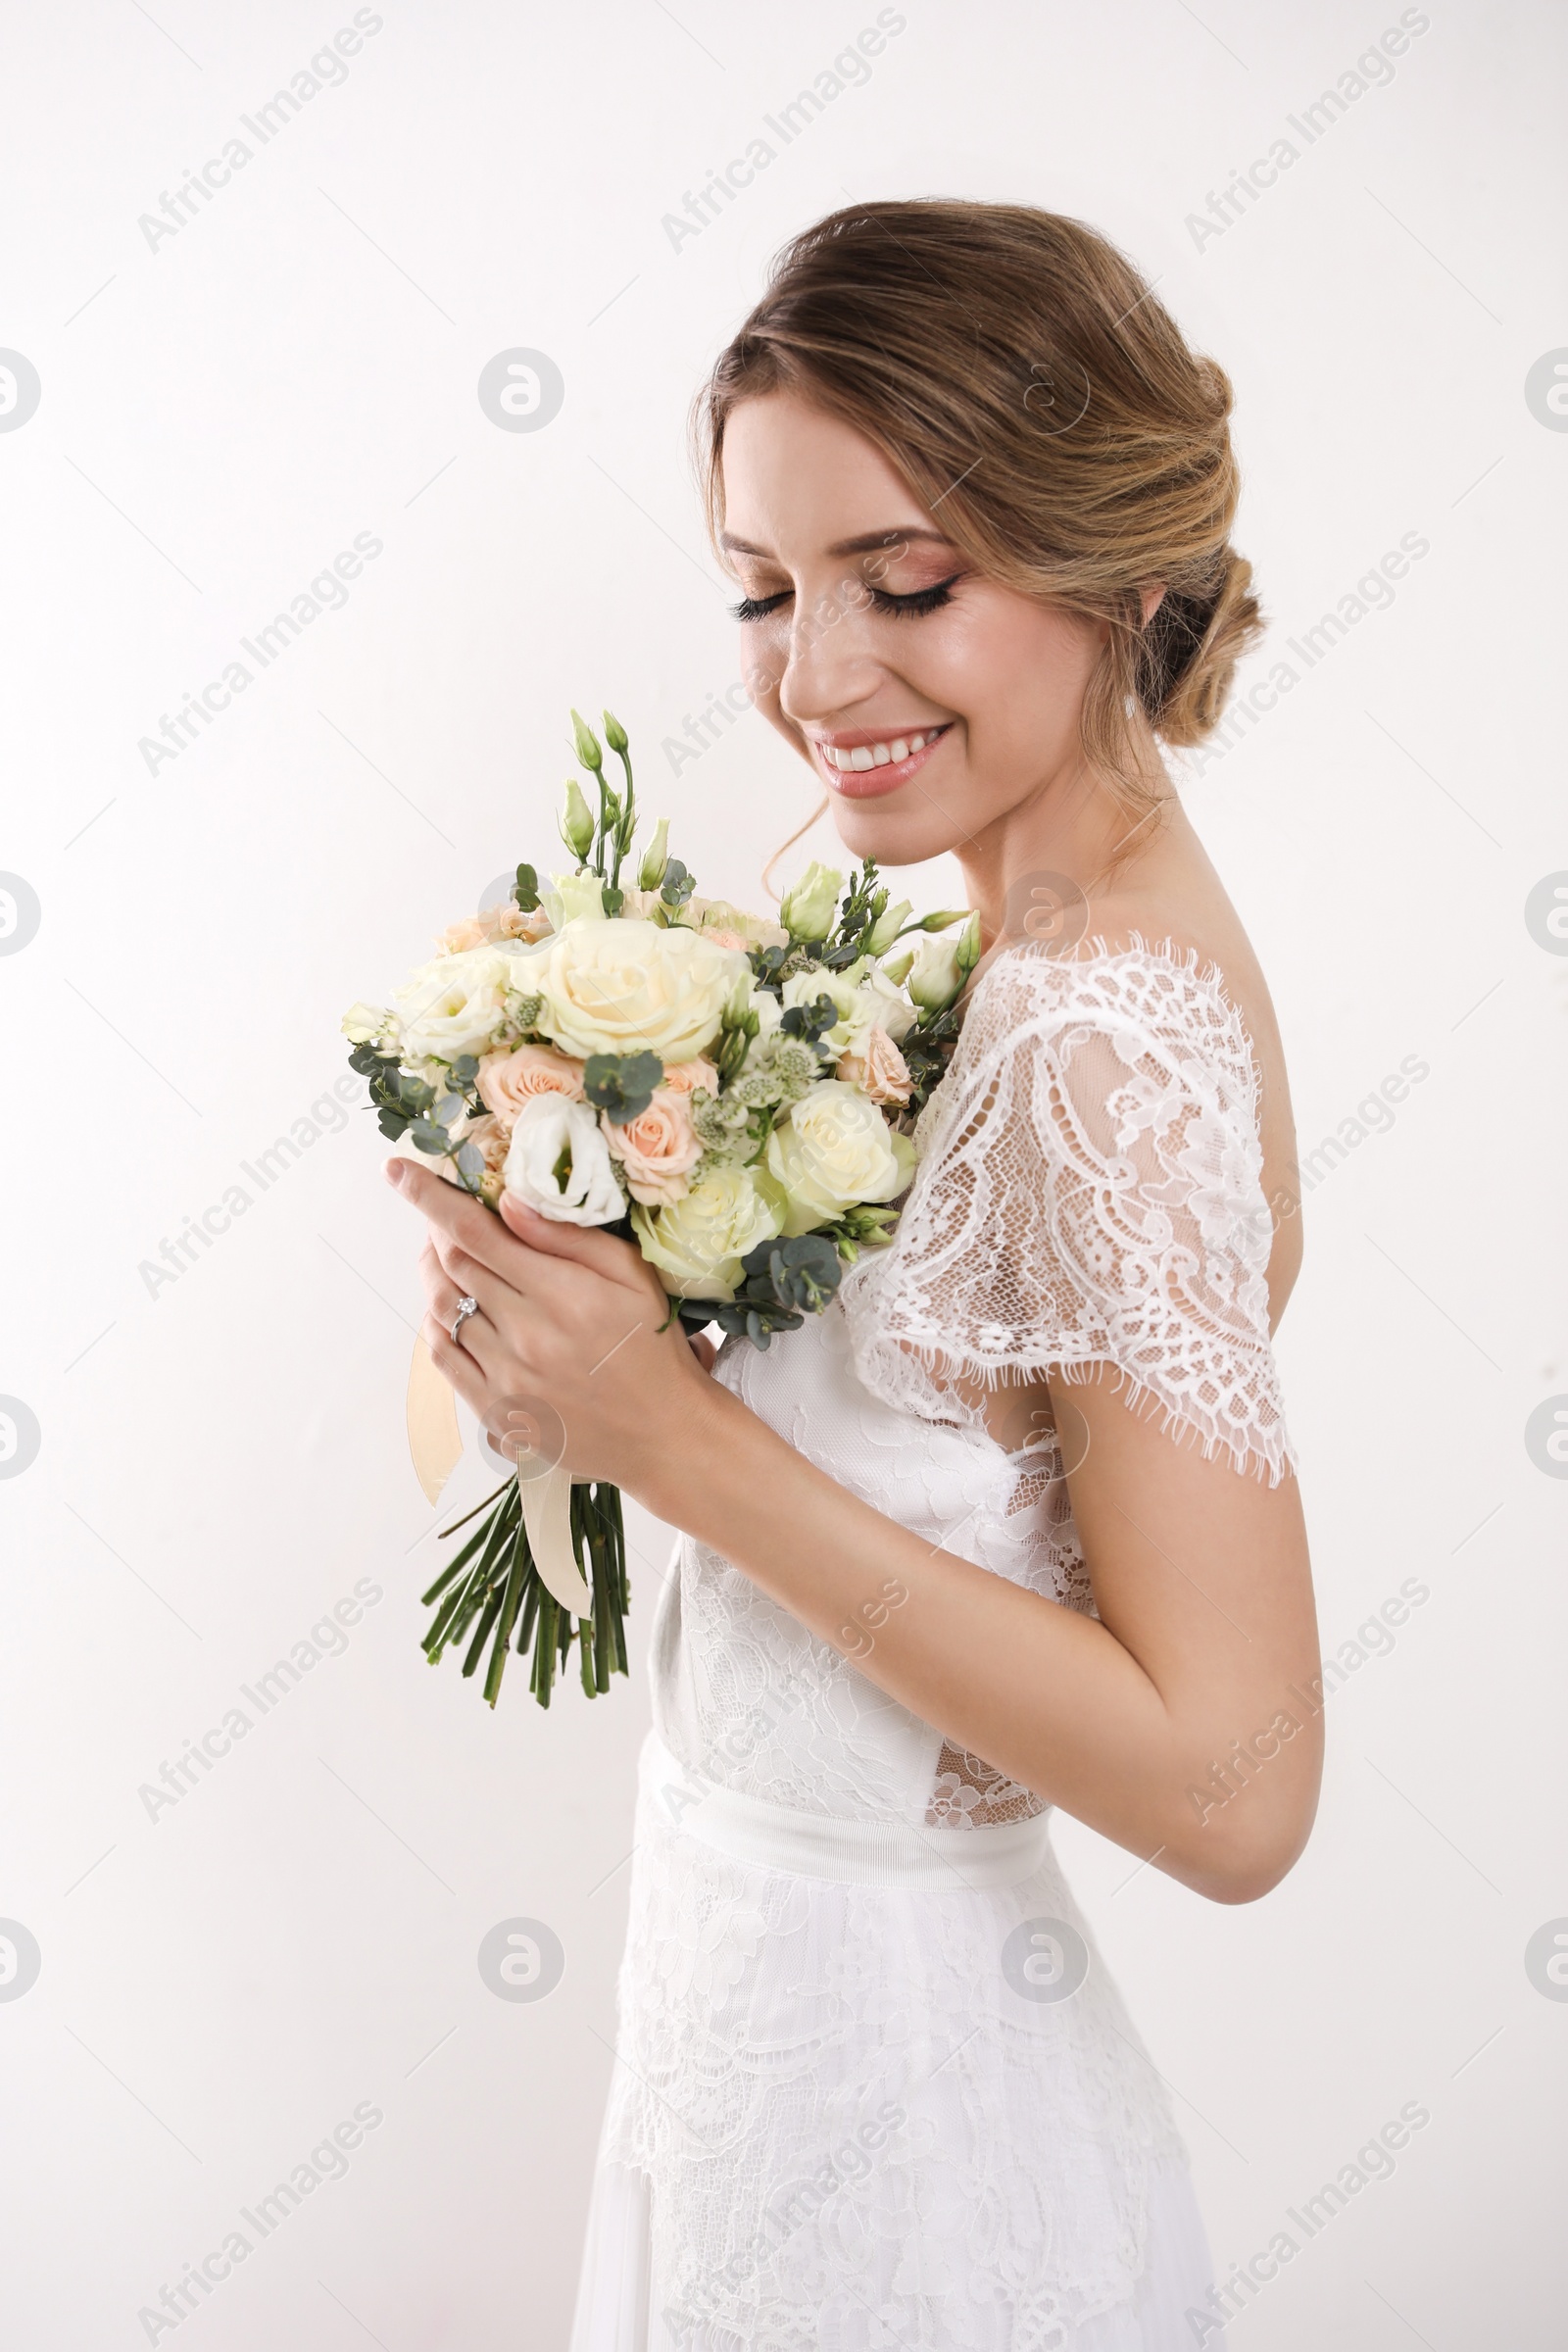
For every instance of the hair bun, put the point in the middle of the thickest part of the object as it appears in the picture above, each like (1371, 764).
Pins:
(1193, 645)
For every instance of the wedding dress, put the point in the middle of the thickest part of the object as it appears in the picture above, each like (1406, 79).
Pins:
(874, 2087)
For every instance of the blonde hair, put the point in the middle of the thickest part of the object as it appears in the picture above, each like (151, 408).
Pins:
(1019, 374)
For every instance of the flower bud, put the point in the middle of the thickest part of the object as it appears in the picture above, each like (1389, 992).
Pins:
(944, 920)
(577, 821)
(588, 751)
(656, 857)
(936, 977)
(810, 904)
(967, 945)
(897, 967)
(885, 930)
(614, 733)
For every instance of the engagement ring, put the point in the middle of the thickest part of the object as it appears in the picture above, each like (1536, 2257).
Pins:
(466, 1308)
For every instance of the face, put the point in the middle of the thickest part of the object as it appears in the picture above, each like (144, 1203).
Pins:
(938, 708)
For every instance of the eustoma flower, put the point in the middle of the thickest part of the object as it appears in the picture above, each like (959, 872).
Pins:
(558, 1162)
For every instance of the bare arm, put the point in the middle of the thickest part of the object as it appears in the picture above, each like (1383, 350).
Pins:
(1200, 1572)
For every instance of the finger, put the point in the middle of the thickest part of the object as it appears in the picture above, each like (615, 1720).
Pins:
(458, 1213)
(703, 1348)
(483, 1336)
(473, 1278)
(457, 1366)
(602, 1252)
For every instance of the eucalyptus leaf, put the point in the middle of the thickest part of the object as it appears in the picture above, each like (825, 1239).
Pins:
(622, 1085)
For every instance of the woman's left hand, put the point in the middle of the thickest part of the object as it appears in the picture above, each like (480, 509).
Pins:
(572, 1323)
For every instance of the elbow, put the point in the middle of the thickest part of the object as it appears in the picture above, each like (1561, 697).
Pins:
(1240, 1864)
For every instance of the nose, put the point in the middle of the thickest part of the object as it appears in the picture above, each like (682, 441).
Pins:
(830, 665)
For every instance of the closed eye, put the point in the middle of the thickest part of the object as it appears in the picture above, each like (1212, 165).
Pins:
(919, 600)
(913, 605)
(757, 607)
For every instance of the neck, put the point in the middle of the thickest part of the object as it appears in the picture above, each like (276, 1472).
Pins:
(1043, 862)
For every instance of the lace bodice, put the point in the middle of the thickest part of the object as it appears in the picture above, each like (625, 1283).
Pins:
(1089, 1192)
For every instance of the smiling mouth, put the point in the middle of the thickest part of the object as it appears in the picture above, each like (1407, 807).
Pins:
(862, 769)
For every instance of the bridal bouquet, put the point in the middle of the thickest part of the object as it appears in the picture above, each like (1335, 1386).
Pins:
(732, 1094)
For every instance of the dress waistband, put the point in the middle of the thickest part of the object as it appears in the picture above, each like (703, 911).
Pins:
(856, 1853)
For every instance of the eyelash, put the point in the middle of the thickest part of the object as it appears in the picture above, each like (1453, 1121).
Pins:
(914, 607)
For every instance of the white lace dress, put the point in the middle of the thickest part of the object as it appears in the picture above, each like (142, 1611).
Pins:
(874, 2088)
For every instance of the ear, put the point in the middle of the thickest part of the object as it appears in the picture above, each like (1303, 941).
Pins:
(1154, 598)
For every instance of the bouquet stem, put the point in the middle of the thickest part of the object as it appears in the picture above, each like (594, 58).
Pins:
(492, 1585)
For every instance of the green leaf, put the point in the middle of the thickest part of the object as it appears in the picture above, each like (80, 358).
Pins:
(526, 893)
(433, 1140)
(622, 1085)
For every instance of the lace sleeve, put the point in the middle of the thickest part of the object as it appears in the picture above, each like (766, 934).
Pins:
(1090, 1191)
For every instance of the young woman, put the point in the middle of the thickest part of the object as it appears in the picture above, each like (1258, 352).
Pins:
(1014, 1524)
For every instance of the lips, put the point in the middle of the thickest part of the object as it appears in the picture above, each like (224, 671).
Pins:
(873, 767)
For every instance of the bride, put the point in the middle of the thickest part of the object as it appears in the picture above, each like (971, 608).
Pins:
(1014, 1524)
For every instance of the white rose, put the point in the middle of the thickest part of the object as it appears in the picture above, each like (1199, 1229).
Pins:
(833, 1151)
(626, 986)
(856, 1010)
(697, 1243)
(558, 1162)
(454, 1005)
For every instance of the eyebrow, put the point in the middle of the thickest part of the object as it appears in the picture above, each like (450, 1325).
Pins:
(868, 542)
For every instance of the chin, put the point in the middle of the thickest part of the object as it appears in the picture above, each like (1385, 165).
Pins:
(895, 835)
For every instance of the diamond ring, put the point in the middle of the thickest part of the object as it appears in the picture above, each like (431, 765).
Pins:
(466, 1308)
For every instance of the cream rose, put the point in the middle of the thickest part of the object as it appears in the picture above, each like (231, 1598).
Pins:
(833, 1151)
(507, 1081)
(657, 1149)
(685, 1077)
(880, 1070)
(505, 921)
(558, 1162)
(697, 1243)
(491, 1140)
(623, 986)
(454, 1005)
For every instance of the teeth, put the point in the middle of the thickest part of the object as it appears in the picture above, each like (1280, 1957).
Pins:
(880, 754)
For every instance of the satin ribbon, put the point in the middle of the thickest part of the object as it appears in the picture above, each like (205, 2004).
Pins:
(435, 1443)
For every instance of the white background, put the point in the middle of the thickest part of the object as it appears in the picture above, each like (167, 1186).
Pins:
(221, 1462)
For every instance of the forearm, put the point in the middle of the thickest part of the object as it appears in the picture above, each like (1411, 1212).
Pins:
(1042, 1693)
